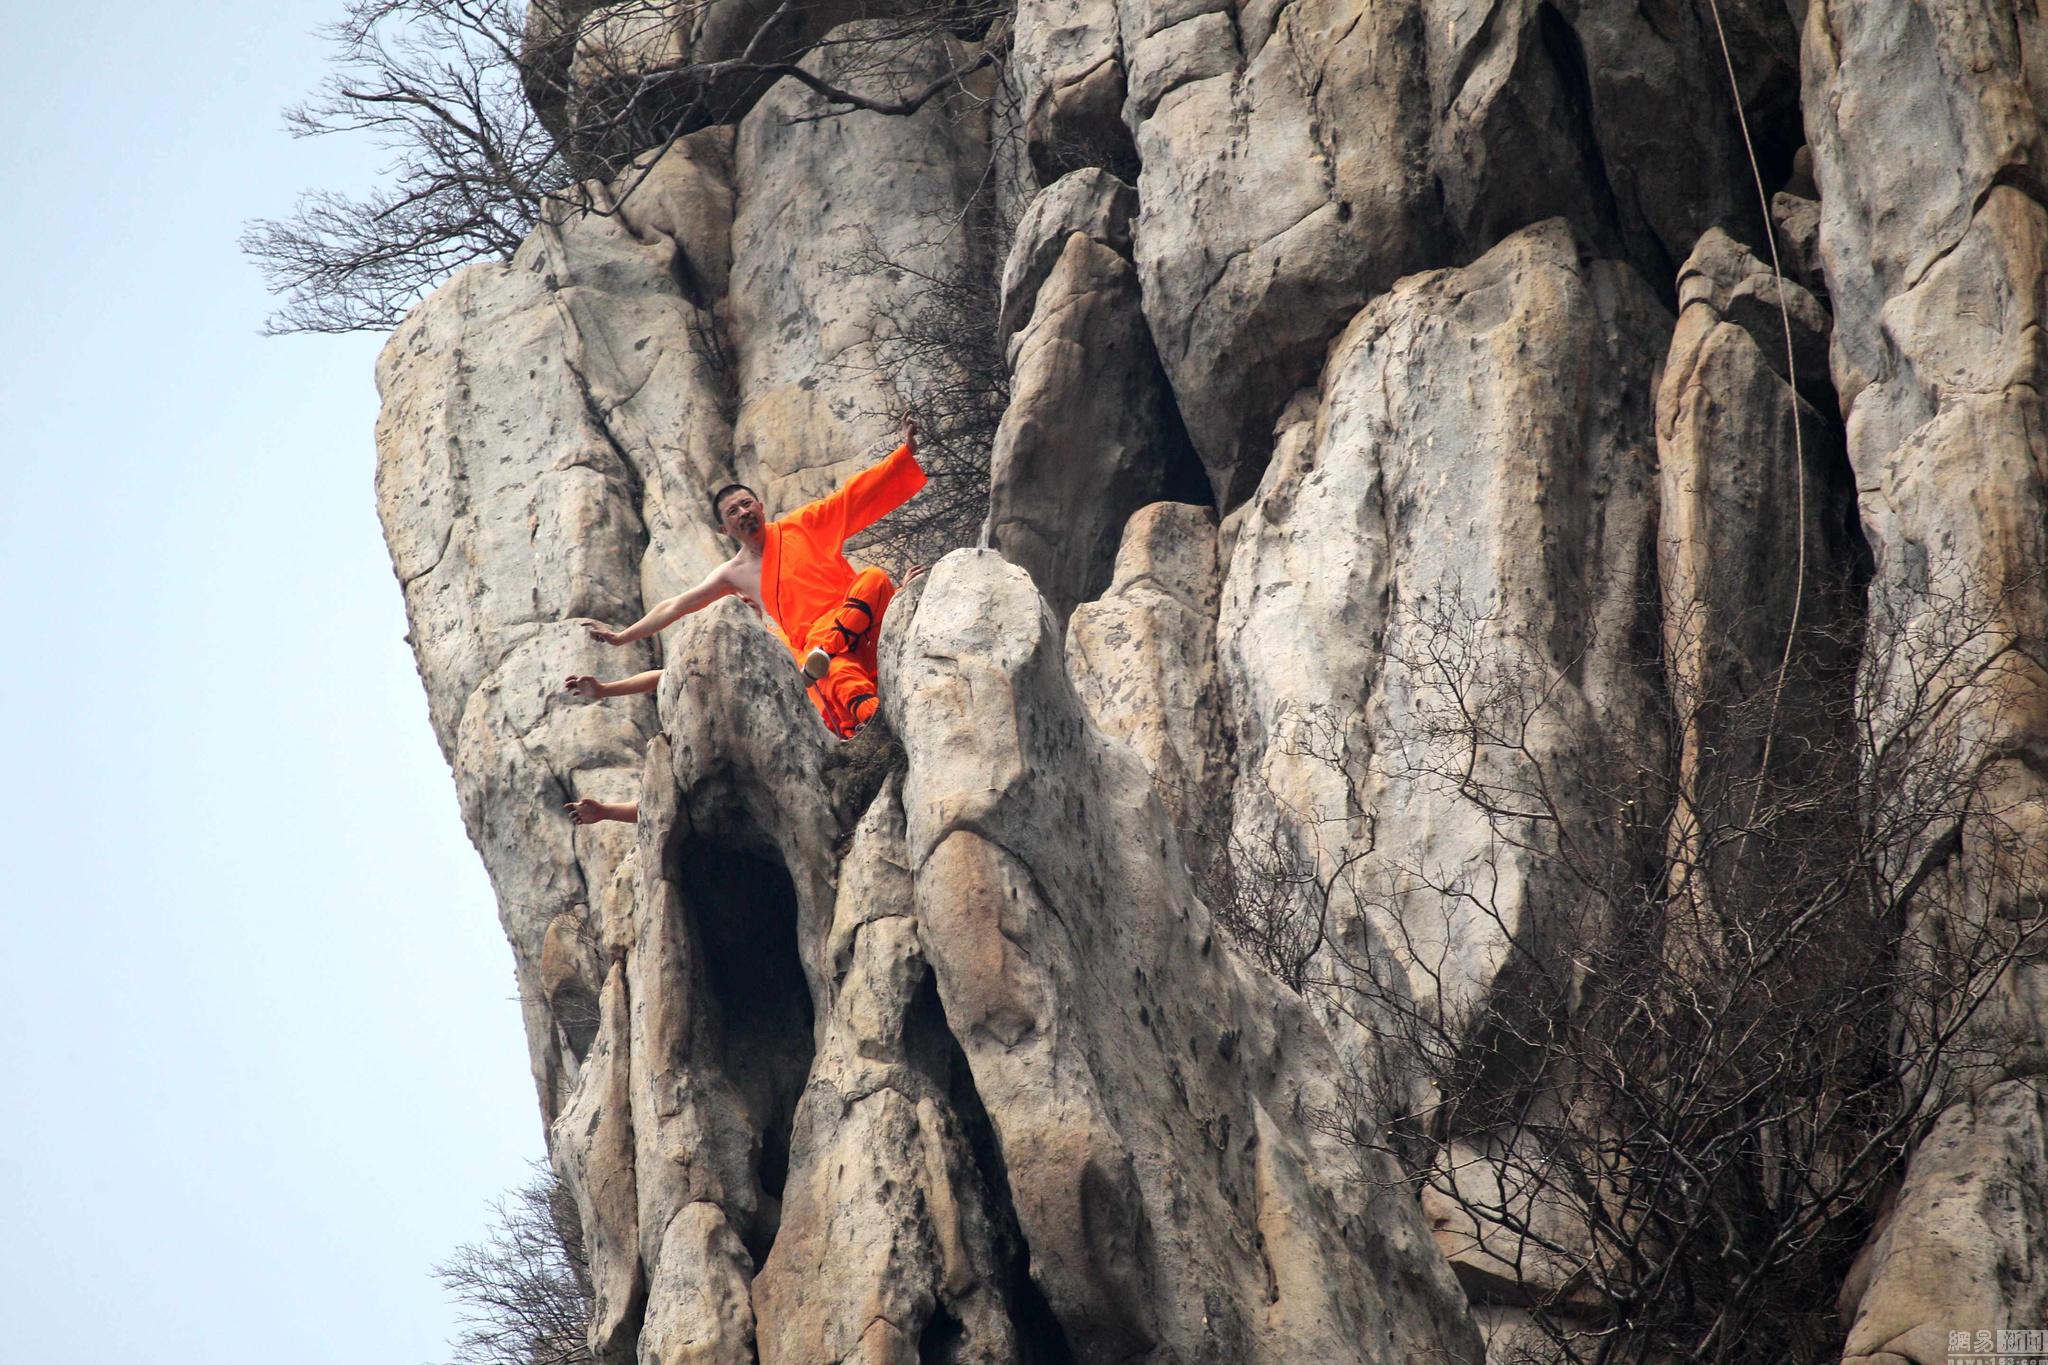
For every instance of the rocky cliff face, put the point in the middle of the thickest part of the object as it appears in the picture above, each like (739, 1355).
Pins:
(1317, 316)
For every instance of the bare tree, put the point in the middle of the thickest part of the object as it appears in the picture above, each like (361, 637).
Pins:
(496, 112)
(439, 86)
(525, 1290)
(1752, 982)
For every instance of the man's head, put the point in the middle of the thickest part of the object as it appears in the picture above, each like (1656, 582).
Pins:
(738, 511)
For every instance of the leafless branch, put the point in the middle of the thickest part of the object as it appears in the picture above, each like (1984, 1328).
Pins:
(496, 112)
(525, 1290)
(1747, 991)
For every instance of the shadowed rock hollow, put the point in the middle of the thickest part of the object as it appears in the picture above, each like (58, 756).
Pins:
(930, 1048)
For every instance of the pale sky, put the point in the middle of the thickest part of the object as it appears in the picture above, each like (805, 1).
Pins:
(265, 1065)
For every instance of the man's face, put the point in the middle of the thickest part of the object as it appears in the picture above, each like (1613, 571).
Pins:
(741, 514)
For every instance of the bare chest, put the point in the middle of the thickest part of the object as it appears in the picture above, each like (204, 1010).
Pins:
(743, 573)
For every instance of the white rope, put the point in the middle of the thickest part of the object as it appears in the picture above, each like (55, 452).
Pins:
(1792, 382)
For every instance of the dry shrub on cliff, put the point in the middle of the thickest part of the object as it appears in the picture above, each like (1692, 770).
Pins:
(1765, 956)
(496, 111)
(1265, 885)
(1268, 895)
(525, 1290)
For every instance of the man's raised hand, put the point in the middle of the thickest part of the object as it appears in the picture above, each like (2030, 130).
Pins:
(600, 631)
(910, 431)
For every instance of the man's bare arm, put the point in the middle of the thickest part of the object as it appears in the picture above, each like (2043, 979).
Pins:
(666, 613)
(590, 689)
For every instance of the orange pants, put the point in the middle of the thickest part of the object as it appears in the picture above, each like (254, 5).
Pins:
(846, 695)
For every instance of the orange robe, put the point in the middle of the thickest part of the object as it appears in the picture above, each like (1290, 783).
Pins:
(808, 587)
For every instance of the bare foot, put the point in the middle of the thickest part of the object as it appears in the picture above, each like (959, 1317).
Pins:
(591, 812)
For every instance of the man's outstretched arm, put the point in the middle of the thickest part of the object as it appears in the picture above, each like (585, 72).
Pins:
(666, 613)
(873, 493)
(590, 689)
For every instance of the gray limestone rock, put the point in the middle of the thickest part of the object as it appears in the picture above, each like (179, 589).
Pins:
(1615, 116)
(927, 1047)
(1955, 1250)
(490, 446)
(1298, 159)
(1090, 434)
(1284, 181)
(1070, 75)
(835, 213)
(1796, 223)
(1091, 202)
(1145, 1085)
(886, 1234)
(1928, 137)
(1142, 658)
(1757, 532)
(1478, 462)
(592, 1146)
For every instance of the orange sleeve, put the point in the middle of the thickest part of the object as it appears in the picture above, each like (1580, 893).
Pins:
(865, 498)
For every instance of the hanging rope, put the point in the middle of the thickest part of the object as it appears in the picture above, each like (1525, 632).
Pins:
(1792, 382)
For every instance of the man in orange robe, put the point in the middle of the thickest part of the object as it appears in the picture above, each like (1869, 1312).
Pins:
(795, 569)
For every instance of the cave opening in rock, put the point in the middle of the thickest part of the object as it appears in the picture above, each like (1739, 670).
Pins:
(744, 908)
(941, 1340)
(933, 1049)
(1566, 58)
(1184, 479)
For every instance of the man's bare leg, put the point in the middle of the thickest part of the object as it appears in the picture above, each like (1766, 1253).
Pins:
(590, 689)
(589, 812)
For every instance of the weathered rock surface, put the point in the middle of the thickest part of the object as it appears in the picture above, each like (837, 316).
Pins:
(797, 1085)
(887, 1240)
(832, 211)
(925, 1048)
(1071, 77)
(1959, 1247)
(1091, 433)
(1142, 658)
(1360, 565)
(867, 1074)
(547, 413)
(1927, 127)
(1284, 180)
(1614, 116)
(1757, 531)
(1297, 159)
(1796, 222)
(1145, 1086)
(1091, 202)
(591, 1142)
